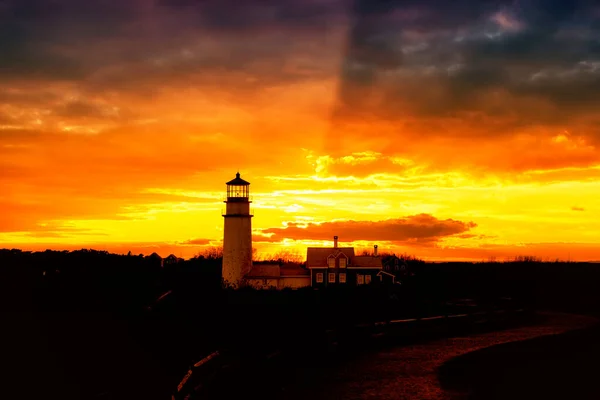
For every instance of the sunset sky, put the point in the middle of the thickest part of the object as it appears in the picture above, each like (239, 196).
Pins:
(442, 129)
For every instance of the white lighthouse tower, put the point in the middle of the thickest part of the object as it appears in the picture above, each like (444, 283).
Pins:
(237, 233)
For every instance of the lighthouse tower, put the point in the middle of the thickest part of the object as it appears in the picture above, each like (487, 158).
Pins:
(237, 233)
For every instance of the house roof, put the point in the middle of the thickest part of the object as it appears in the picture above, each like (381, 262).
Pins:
(367, 262)
(317, 256)
(264, 271)
(293, 270)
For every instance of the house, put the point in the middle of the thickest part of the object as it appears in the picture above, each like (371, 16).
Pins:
(155, 259)
(400, 267)
(339, 266)
(171, 259)
(277, 276)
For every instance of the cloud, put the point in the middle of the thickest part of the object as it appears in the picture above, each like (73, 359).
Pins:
(127, 118)
(577, 208)
(39, 36)
(506, 252)
(476, 71)
(198, 242)
(360, 164)
(142, 45)
(415, 228)
(82, 109)
(47, 175)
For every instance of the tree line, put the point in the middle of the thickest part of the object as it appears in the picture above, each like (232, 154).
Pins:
(120, 309)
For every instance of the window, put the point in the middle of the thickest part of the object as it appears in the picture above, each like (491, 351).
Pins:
(331, 262)
(320, 277)
(331, 277)
(367, 279)
(360, 279)
(343, 277)
(343, 262)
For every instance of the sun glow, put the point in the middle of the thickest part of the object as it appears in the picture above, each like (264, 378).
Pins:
(438, 141)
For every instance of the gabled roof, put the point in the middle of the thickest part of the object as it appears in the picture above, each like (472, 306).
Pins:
(367, 262)
(317, 256)
(238, 181)
(264, 271)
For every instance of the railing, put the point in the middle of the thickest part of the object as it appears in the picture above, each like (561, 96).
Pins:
(204, 371)
(249, 198)
(250, 212)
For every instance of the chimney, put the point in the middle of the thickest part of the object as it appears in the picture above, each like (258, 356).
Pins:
(335, 242)
(375, 250)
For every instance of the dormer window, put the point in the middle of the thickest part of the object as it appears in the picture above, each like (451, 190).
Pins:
(343, 262)
(331, 262)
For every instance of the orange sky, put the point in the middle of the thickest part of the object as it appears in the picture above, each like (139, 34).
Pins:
(447, 132)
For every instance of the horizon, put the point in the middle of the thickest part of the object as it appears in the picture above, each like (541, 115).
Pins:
(270, 257)
(444, 130)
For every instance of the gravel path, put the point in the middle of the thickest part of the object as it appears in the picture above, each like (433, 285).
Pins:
(410, 372)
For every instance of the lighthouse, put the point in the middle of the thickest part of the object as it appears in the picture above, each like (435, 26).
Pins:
(237, 232)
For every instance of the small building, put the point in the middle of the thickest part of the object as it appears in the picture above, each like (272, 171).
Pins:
(171, 259)
(339, 266)
(402, 268)
(293, 276)
(277, 276)
(155, 259)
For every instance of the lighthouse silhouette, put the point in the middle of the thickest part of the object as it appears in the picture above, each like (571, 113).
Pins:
(237, 232)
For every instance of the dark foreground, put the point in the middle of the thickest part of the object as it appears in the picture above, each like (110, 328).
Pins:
(561, 366)
(75, 355)
(387, 367)
(37, 365)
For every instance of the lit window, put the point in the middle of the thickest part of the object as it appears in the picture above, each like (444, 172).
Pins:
(342, 262)
(342, 278)
(331, 277)
(367, 279)
(320, 277)
(331, 262)
(360, 279)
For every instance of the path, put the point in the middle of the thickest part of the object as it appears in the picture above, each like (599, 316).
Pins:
(410, 372)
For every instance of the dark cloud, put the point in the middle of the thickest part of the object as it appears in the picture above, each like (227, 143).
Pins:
(235, 16)
(82, 109)
(441, 59)
(415, 228)
(40, 38)
(136, 44)
(577, 208)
